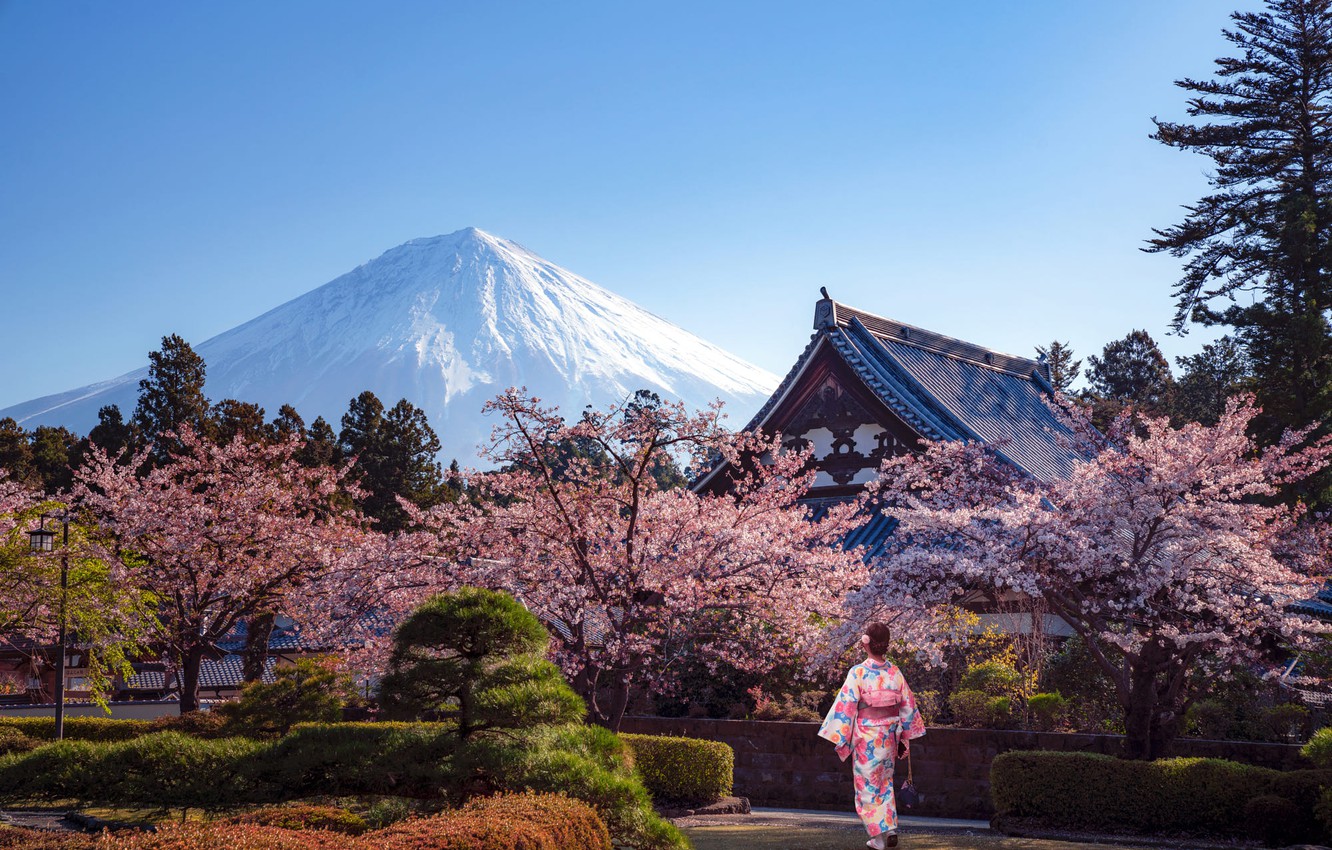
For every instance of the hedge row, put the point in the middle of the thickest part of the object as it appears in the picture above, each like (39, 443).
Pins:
(1186, 795)
(509, 822)
(682, 770)
(401, 759)
(79, 728)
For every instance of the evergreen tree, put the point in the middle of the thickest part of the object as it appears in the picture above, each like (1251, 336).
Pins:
(1208, 379)
(1064, 369)
(1133, 371)
(242, 419)
(172, 396)
(111, 432)
(321, 446)
(1259, 247)
(287, 424)
(54, 451)
(395, 456)
(15, 451)
(476, 657)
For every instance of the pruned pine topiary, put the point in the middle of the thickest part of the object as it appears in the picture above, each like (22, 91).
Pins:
(476, 658)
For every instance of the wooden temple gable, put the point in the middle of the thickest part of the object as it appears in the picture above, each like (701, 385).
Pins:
(850, 430)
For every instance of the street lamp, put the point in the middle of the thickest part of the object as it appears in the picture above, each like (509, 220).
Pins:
(42, 540)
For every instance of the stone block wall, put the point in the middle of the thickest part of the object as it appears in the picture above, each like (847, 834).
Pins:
(786, 764)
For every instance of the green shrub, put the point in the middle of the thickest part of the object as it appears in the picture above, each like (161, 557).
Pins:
(993, 678)
(587, 763)
(976, 709)
(200, 724)
(308, 692)
(79, 728)
(1323, 813)
(1319, 748)
(476, 657)
(1210, 719)
(970, 708)
(404, 759)
(1286, 722)
(682, 770)
(1047, 710)
(165, 768)
(1273, 820)
(14, 741)
(1194, 796)
(927, 703)
(329, 818)
(386, 811)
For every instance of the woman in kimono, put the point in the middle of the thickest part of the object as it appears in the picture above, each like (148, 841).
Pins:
(872, 719)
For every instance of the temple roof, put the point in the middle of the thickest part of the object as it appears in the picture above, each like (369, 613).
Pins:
(941, 387)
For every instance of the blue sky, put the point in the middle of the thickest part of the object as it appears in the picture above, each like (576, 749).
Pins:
(977, 168)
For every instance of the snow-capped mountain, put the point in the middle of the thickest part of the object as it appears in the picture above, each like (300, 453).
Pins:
(447, 323)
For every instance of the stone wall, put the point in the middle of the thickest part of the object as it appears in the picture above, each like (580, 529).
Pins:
(787, 764)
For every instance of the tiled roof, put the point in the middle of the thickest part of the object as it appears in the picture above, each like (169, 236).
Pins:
(871, 535)
(225, 672)
(281, 639)
(1318, 606)
(944, 388)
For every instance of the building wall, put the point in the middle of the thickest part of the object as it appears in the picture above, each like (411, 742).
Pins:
(787, 764)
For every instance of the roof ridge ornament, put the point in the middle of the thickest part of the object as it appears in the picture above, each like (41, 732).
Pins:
(825, 311)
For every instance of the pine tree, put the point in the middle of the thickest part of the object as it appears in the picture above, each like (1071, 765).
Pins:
(172, 396)
(54, 450)
(321, 446)
(1208, 379)
(287, 424)
(395, 456)
(1064, 369)
(111, 432)
(1133, 371)
(232, 419)
(1259, 247)
(15, 451)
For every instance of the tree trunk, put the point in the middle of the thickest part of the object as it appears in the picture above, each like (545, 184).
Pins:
(1151, 719)
(189, 679)
(257, 632)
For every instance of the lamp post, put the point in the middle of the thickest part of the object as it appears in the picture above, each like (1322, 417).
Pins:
(42, 540)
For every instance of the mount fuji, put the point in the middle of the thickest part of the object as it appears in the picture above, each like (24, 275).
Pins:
(446, 322)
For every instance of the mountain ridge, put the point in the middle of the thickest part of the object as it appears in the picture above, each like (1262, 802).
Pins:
(445, 322)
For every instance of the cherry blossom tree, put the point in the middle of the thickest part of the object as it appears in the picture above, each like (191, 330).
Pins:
(1166, 550)
(104, 618)
(628, 572)
(224, 532)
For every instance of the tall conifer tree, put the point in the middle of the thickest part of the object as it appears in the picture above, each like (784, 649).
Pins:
(1259, 246)
(171, 396)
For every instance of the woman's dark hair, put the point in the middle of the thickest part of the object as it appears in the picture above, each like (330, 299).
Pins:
(880, 636)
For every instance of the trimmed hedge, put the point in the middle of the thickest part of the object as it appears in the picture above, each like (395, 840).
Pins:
(423, 760)
(682, 770)
(79, 728)
(165, 768)
(14, 741)
(1182, 796)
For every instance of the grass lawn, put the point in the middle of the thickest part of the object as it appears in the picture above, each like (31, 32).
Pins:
(768, 837)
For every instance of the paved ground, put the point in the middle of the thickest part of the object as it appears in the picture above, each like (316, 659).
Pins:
(795, 829)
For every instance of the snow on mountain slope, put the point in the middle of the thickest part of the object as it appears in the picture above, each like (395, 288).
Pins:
(446, 322)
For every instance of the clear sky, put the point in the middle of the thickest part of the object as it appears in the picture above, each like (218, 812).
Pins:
(981, 169)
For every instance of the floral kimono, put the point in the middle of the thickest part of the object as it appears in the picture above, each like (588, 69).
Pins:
(873, 736)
